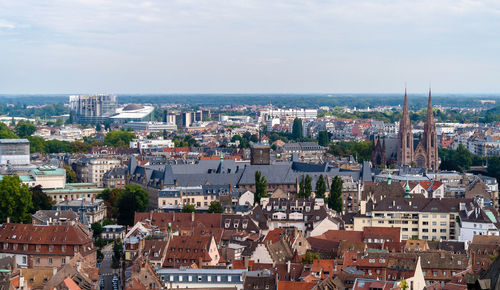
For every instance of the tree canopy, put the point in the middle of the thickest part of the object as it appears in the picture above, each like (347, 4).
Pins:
(40, 199)
(305, 187)
(361, 150)
(323, 138)
(260, 187)
(132, 199)
(320, 187)
(215, 207)
(15, 200)
(24, 129)
(297, 130)
(335, 198)
(6, 133)
(119, 138)
(188, 208)
(459, 160)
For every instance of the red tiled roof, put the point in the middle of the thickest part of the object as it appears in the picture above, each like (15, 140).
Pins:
(177, 149)
(427, 184)
(385, 233)
(70, 284)
(274, 235)
(36, 234)
(240, 264)
(180, 220)
(342, 235)
(323, 266)
(285, 285)
(188, 248)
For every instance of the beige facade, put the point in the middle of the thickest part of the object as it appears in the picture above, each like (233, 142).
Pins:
(199, 201)
(98, 167)
(424, 225)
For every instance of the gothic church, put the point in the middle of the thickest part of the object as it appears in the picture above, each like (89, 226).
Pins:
(425, 155)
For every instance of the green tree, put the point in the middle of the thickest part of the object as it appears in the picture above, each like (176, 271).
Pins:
(15, 200)
(215, 207)
(361, 150)
(107, 222)
(118, 138)
(133, 199)
(110, 198)
(305, 189)
(37, 144)
(59, 122)
(117, 254)
(260, 187)
(24, 129)
(57, 146)
(80, 147)
(6, 133)
(335, 198)
(70, 174)
(188, 208)
(320, 187)
(96, 229)
(493, 168)
(297, 131)
(323, 138)
(40, 199)
(309, 258)
(98, 128)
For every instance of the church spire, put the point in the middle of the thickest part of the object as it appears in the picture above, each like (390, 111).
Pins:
(405, 136)
(430, 116)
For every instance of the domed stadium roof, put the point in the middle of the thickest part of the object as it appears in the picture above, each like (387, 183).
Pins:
(132, 107)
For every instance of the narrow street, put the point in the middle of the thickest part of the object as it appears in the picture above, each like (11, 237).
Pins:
(105, 270)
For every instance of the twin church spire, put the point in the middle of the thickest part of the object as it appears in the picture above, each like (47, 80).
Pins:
(425, 154)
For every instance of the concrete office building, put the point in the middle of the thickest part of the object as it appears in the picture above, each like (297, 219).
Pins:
(14, 152)
(92, 108)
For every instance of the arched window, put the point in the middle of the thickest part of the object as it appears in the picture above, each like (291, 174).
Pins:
(408, 141)
(432, 140)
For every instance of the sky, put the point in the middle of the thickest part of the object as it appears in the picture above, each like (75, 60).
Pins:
(236, 46)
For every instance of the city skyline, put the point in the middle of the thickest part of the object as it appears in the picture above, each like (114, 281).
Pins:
(249, 47)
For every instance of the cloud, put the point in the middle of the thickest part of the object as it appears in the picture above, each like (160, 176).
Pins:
(248, 46)
(6, 24)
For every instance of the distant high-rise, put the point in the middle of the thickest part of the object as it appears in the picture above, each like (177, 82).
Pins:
(92, 108)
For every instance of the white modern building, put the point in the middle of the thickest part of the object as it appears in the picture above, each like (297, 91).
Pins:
(202, 278)
(148, 144)
(294, 113)
(153, 127)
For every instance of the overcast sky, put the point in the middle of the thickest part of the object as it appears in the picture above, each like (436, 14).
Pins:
(215, 46)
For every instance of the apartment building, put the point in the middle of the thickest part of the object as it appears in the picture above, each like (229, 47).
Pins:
(97, 167)
(39, 246)
(200, 196)
(421, 218)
